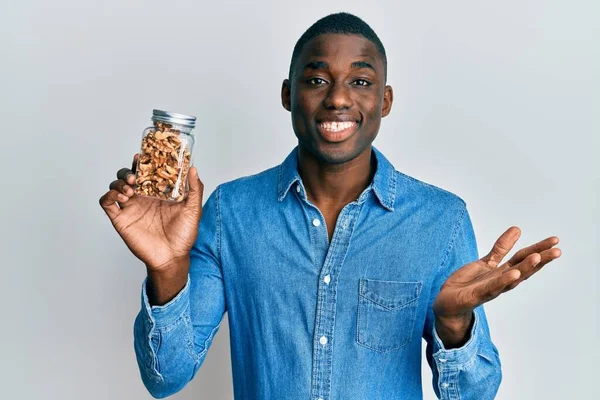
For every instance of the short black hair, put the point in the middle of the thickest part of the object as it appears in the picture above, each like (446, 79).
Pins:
(341, 23)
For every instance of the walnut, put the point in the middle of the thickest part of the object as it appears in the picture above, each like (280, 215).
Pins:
(164, 163)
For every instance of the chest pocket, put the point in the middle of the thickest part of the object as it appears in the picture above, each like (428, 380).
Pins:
(386, 313)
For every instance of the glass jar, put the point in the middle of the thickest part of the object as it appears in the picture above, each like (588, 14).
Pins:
(165, 157)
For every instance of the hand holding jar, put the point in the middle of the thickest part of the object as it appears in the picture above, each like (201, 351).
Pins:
(158, 221)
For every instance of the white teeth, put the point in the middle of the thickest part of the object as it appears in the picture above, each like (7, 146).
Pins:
(336, 126)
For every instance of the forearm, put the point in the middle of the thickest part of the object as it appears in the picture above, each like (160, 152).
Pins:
(471, 371)
(454, 332)
(163, 356)
(168, 348)
(164, 284)
(161, 343)
(183, 305)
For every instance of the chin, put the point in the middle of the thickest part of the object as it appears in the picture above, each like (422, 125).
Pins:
(336, 153)
(333, 152)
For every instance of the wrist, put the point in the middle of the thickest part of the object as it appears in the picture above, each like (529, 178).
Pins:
(174, 262)
(165, 283)
(454, 331)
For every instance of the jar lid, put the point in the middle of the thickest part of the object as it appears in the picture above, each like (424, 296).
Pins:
(173, 118)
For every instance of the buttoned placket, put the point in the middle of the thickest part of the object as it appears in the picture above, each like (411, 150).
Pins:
(447, 376)
(335, 253)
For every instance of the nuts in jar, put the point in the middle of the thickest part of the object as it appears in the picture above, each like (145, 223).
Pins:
(165, 157)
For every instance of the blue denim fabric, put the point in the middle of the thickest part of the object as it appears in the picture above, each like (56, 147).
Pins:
(314, 320)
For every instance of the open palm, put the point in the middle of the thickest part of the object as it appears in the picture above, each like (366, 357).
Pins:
(485, 279)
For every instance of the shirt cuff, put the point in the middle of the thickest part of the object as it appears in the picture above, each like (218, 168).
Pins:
(169, 313)
(454, 358)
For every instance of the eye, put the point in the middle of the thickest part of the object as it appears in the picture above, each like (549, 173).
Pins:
(316, 81)
(362, 82)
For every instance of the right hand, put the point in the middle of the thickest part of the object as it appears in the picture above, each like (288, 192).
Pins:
(160, 233)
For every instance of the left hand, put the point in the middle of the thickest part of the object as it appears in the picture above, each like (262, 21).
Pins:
(483, 280)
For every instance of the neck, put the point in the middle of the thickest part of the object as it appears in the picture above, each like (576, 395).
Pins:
(335, 184)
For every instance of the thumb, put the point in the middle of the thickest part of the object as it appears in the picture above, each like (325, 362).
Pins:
(196, 192)
(503, 245)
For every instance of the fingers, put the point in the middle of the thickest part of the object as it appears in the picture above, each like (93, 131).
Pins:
(528, 270)
(489, 290)
(121, 190)
(549, 255)
(124, 191)
(109, 200)
(126, 175)
(527, 262)
(122, 187)
(503, 245)
(196, 188)
(538, 247)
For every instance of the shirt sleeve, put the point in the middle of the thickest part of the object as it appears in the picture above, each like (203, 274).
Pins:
(171, 341)
(472, 371)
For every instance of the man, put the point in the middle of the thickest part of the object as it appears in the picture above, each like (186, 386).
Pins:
(331, 266)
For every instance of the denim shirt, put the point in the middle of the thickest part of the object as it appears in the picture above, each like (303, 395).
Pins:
(315, 320)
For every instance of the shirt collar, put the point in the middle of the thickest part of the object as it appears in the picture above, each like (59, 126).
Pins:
(383, 183)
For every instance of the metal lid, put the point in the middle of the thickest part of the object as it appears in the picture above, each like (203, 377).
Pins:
(173, 118)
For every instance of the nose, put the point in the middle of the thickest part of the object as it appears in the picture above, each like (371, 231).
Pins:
(338, 97)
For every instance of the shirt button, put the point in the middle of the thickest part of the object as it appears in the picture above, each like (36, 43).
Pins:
(320, 398)
(298, 188)
(445, 385)
(316, 222)
(327, 279)
(323, 340)
(443, 360)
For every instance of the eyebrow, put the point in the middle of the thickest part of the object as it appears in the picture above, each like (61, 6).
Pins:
(316, 65)
(362, 64)
(324, 65)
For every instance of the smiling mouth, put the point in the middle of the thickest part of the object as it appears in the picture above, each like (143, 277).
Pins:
(334, 131)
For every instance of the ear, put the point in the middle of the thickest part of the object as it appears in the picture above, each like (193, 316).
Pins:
(388, 99)
(286, 93)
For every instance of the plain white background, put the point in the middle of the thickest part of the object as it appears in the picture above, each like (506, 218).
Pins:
(496, 102)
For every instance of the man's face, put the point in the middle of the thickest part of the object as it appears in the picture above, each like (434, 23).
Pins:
(337, 96)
